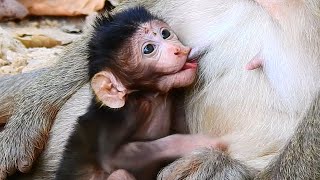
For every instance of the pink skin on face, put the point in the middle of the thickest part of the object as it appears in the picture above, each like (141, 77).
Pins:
(169, 56)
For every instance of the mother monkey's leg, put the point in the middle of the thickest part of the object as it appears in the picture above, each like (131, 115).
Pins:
(48, 162)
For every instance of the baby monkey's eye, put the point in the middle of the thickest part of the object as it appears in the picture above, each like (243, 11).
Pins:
(165, 33)
(148, 49)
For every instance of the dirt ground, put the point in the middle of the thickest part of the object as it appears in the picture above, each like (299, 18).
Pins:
(36, 42)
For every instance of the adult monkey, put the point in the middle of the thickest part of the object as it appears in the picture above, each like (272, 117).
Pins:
(256, 112)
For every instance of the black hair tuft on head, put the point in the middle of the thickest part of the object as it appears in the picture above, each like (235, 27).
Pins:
(110, 33)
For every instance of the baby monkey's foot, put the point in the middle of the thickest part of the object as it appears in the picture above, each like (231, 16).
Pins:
(18, 151)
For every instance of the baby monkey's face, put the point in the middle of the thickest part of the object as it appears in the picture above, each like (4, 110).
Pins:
(153, 58)
(161, 51)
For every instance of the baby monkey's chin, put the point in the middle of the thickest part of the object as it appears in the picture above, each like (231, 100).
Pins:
(180, 79)
(186, 75)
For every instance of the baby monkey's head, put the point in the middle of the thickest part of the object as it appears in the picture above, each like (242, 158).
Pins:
(136, 51)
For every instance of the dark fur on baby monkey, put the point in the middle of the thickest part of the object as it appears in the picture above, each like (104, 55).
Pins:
(137, 67)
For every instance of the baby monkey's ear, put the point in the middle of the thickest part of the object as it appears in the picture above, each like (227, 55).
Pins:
(108, 89)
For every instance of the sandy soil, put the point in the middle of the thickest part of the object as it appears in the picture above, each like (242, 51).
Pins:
(37, 41)
(16, 58)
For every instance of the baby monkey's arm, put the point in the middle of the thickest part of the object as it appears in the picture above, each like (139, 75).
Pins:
(137, 156)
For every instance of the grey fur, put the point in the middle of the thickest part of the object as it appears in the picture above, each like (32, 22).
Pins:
(48, 162)
(25, 133)
(300, 159)
(206, 164)
(11, 87)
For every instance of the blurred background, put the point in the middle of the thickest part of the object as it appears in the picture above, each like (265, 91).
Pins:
(33, 32)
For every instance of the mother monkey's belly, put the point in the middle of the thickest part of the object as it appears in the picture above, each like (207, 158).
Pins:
(257, 111)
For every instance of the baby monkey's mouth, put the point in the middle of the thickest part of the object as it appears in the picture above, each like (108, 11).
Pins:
(190, 64)
(193, 59)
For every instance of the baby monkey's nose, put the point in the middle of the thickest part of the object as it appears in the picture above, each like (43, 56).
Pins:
(182, 50)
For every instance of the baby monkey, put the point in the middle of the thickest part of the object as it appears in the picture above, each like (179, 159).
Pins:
(137, 67)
